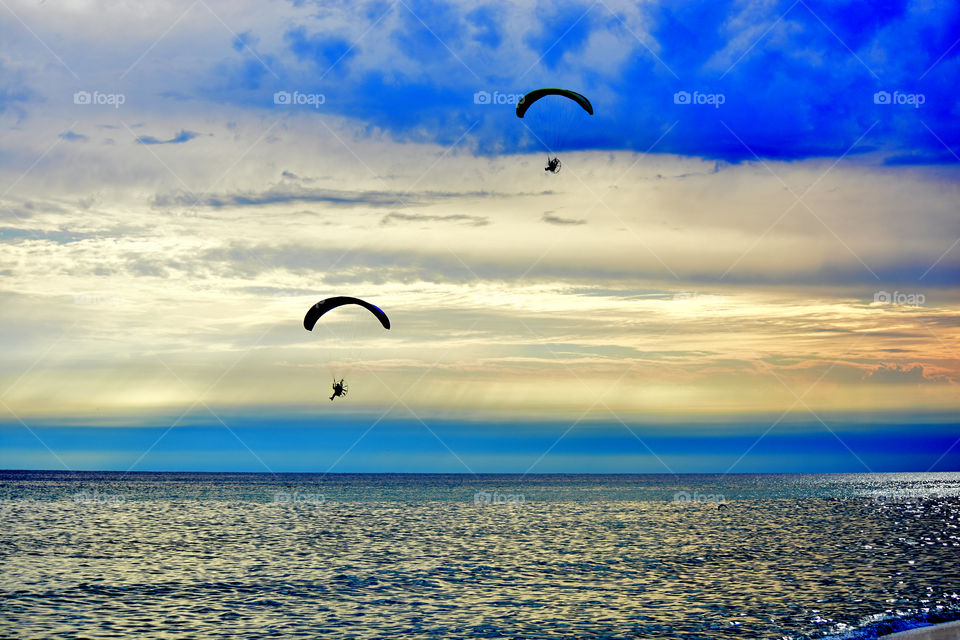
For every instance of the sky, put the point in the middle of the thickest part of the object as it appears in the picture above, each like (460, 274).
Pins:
(748, 262)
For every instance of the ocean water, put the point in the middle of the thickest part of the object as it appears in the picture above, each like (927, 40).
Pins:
(184, 555)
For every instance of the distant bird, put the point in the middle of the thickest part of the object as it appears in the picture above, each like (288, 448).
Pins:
(722, 505)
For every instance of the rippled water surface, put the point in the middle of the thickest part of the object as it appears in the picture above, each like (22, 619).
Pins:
(445, 556)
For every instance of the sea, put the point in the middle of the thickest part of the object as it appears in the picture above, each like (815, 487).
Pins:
(248, 555)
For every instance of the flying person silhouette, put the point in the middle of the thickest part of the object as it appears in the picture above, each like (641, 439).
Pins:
(339, 389)
(553, 165)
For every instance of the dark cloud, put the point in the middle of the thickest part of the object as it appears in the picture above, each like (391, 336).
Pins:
(279, 195)
(394, 217)
(549, 218)
(290, 175)
(73, 137)
(183, 136)
(341, 197)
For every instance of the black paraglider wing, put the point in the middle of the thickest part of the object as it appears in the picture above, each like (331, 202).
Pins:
(317, 310)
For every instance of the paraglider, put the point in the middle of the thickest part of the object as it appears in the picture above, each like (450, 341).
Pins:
(323, 307)
(339, 389)
(552, 119)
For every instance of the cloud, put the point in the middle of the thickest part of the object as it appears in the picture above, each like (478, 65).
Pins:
(338, 197)
(172, 94)
(327, 53)
(475, 221)
(245, 260)
(245, 40)
(900, 374)
(945, 156)
(790, 86)
(790, 287)
(183, 136)
(15, 93)
(59, 237)
(429, 30)
(488, 31)
(797, 81)
(562, 29)
(290, 175)
(549, 218)
(73, 137)
(279, 195)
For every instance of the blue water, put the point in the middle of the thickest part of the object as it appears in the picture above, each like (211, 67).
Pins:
(175, 555)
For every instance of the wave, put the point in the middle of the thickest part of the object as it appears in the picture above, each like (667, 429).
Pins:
(880, 625)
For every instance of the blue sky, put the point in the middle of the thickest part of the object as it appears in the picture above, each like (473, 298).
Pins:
(750, 256)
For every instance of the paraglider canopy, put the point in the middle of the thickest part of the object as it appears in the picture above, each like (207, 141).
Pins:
(536, 94)
(317, 310)
(555, 117)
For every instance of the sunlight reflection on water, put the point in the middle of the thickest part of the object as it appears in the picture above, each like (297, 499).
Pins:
(367, 556)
